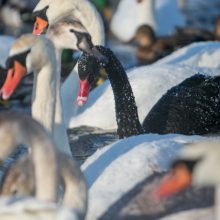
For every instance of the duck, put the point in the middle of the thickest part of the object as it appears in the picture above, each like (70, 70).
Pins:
(132, 14)
(195, 165)
(149, 83)
(151, 48)
(25, 130)
(46, 13)
(189, 108)
(18, 180)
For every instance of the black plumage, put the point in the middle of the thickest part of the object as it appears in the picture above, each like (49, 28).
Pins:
(192, 107)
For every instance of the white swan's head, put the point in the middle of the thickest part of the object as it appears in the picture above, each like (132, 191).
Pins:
(28, 53)
(197, 165)
(69, 33)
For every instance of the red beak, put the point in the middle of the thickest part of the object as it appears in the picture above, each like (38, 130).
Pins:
(39, 26)
(177, 180)
(83, 92)
(13, 78)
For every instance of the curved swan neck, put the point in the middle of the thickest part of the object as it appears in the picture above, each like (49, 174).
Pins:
(24, 130)
(44, 160)
(125, 106)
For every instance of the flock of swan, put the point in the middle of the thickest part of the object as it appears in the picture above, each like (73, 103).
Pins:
(168, 98)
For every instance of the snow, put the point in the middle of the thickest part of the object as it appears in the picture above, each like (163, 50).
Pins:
(5, 45)
(22, 208)
(117, 168)
(195, 214)
(204, 54)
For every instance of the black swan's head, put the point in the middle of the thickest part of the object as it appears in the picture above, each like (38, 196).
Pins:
(88, 70)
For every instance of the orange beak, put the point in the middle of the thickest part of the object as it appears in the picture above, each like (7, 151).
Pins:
(13, 78)
(39, 26)
(177, 180)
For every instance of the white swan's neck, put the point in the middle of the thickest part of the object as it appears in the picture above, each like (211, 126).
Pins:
(45, 163)
(44, 96)
(69, 91)
(217, 202)
(60, 133)
(47, 106)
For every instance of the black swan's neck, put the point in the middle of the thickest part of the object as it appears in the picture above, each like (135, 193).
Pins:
(125, 106)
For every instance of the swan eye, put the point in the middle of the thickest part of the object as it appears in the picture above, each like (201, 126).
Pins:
(41, 13)
(21, 58)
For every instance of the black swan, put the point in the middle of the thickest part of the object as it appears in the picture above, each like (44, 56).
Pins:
(192, 107)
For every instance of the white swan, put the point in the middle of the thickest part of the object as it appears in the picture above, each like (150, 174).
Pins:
(15, 129)
(85, 12)
(38, 54)
(149, 83)
(131, 14)
(46, 103)
(130, 160)
(197, 164)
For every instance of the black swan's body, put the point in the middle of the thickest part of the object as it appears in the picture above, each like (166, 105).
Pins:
(192, 107)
